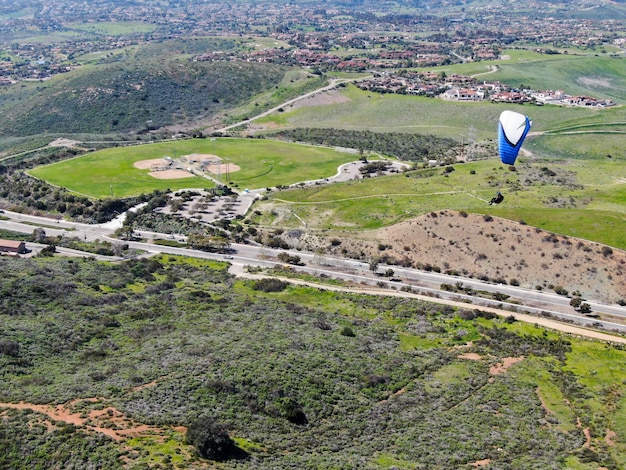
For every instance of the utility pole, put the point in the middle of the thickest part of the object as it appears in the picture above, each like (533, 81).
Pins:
(217, 161)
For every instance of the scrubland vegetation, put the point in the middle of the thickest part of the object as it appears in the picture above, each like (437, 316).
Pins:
(297, 377)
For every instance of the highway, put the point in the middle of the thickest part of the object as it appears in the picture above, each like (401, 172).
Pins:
(426, 284)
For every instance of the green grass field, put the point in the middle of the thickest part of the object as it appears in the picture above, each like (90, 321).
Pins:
(585, 198)
(413, 114)
(263, 163)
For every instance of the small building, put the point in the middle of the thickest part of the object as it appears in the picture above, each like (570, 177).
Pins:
(12, 246)
(463, 94)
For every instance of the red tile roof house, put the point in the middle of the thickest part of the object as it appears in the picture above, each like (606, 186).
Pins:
(12, 246)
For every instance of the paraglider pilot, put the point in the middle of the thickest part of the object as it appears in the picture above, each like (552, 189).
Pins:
(498, 199)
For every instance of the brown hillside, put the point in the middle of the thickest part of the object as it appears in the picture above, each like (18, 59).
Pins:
(490, 248)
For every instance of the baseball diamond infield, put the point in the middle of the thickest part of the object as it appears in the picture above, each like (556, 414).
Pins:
(168, 168)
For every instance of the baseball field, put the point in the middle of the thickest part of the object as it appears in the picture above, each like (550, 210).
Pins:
(195, 163)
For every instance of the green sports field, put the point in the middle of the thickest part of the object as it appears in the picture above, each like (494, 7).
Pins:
(251, 163)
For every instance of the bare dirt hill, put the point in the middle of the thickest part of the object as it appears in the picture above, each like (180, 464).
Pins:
(488, 248)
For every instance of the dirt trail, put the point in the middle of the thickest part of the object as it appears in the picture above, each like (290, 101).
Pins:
(108, 421)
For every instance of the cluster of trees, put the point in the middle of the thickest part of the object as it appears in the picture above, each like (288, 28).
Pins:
(24, 193)
(410, 147)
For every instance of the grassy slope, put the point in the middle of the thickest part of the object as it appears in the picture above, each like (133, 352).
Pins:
(586, 199)
(589, 142)
(411, 114)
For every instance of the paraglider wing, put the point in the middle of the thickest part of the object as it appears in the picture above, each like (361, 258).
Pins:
(512, 130)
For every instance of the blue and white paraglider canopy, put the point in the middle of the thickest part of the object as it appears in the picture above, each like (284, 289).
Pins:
(512, 130)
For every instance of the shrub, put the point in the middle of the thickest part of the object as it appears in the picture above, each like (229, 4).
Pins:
(485, 315)
(9, 347)
(211, 440)
(291, 259)
(294, 413)
(47, 251)
(270, 285)
(560, 290)
(465, 314)
(347, 331)
(575, 302)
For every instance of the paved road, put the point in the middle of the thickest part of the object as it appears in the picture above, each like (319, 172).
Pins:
(425, 283)
(333, 83)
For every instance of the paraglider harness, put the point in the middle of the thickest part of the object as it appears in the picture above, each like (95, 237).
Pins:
(498, 199)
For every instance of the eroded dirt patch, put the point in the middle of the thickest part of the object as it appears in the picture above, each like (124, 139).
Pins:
(107, 420)
(470, 356)
(507, 362)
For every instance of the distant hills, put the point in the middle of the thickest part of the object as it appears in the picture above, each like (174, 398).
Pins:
(129, 96)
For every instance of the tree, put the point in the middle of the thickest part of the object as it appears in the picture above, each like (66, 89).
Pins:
(39, 235)
(575, 302)
(374, 265)
(127, 230)
(291, 259)
(212, 441)
(294, 412)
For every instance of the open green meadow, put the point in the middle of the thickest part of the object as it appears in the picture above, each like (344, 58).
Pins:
(414, 114)
(582, 198)
(263, 163)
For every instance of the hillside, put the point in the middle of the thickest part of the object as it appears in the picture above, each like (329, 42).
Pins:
(486, 247)
(135, 92)
(107, 365)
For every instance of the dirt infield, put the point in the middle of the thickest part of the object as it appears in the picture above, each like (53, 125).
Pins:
(163, 168)
(210, 163)
(147, 164)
